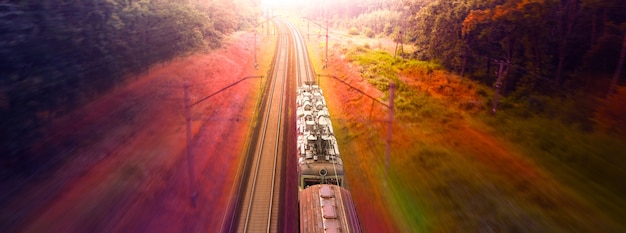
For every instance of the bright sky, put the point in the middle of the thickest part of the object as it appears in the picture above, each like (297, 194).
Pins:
(278, 3)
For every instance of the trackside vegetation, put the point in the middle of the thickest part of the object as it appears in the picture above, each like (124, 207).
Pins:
(570, 145)
(56, 56)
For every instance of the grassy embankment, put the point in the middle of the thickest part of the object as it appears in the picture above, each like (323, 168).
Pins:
(455, 168)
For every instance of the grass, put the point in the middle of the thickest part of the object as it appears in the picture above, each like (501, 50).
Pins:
(591, 163)
(444, 180)
(379, 68)
(408, 207)
(436, 186)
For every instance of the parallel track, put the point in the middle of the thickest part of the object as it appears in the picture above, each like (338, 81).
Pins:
(259, 211)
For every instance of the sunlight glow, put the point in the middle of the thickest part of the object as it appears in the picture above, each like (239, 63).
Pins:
(282, 3)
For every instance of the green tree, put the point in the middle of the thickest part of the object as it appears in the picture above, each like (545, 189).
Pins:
(57, 55)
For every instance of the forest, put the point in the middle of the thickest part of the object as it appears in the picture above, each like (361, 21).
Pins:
(557, 70)
(557, 67)
(553, 58)
(56, 56)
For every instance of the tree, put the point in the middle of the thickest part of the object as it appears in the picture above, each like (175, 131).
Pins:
(57, 55)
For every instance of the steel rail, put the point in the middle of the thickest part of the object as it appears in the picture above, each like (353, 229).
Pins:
(302, 55)
(298, 73)
(280, 110)
(282, 60)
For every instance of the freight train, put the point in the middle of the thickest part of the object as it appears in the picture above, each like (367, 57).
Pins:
(325, 203)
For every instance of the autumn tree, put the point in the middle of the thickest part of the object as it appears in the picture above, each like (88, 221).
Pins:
(508, 32)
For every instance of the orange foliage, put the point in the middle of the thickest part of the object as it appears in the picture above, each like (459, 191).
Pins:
(455, 91)
(474, 18)
(500, 12)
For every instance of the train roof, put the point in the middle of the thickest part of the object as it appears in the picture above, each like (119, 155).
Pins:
(327, 208)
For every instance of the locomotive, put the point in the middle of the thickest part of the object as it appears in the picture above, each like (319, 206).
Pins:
(319, 160)
(324, 202)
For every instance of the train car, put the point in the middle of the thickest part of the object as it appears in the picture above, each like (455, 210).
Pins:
(319, 159)
(327, 208)
(325, 204)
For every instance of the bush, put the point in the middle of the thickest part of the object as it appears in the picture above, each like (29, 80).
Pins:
(353, 31)
(379, 68)
(368, 32)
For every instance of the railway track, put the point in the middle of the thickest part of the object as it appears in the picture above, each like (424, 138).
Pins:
(260, 206)
(304, 72)
(257, 208)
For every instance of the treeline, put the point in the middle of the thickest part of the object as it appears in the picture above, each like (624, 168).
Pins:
(546, 38)
(551, 50)
(56, 55)
(548, 57)
(369, 18)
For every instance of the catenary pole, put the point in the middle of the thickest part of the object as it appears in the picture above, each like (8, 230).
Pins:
(392, 88)
(187, 102)
(192, 191)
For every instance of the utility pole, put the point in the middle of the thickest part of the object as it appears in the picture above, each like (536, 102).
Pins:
(255, 26)
(402, 39)
(268, 26)
(254, 49)
(187, 101)
(326, 61)
(321, 26)
(392, 88)
(395, 51)
(192, 191)
(269, 16)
